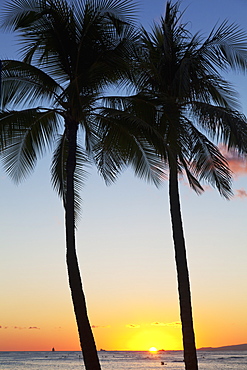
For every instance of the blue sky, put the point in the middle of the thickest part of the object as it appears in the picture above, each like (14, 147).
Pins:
(124, 237)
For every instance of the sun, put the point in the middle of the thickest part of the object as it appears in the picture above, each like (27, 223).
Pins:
(153, 349)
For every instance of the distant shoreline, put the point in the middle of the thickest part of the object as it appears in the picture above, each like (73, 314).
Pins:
(237, 347)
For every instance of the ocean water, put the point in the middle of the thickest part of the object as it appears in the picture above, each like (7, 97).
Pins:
(121, 360)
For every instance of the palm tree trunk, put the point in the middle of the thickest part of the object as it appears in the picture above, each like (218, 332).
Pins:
(87, 342)
(190, 357)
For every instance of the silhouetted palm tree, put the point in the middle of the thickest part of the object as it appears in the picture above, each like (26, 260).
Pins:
(191, 108)
(71, 52)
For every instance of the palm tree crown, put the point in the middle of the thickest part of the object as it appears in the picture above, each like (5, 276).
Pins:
(71, 53)
(195, 107)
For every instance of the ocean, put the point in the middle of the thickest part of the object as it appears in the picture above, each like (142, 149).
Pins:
(121, 360)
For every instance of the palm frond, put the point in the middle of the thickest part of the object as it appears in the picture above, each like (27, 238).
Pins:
(27, 85)
(226, 47)
(193, 181)
(208, 164)
(58, 166)
(123, 9)
(223, 125)
(58, 172)
(82, 162)
(27, 135)
(127, 139)
(18, 13)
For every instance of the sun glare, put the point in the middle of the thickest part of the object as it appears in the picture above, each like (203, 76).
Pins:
(152, 349)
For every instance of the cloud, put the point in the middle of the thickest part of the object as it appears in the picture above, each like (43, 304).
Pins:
(19, 327)
(175, 324)
(237, 164)
(240, 193)
(100, 326)
(132, 326)
(158, 323)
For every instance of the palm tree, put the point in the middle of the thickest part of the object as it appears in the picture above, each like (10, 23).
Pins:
(71, 52)
(191, 108)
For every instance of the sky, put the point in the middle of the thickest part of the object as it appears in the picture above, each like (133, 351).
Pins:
(125, 246)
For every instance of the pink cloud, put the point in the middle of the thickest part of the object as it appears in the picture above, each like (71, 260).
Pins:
(237, 164)
(241, 193)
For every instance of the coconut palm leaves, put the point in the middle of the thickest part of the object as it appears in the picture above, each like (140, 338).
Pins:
(55, 38)
(127, 139)
(180, 73)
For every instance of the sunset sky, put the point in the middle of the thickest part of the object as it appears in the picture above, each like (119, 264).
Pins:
(125, 246)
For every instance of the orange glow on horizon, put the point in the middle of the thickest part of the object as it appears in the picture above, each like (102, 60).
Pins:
(154, 340)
